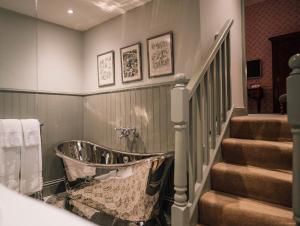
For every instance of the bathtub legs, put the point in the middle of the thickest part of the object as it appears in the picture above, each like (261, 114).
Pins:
(67, 185)
(38, 195)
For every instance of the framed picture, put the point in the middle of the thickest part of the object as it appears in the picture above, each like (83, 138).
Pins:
(106, 69)
(160, 55)
(131, 63)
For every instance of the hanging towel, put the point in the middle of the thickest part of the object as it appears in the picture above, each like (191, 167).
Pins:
(31, 158)
(31, 132)
(11, 140)
(11, 134)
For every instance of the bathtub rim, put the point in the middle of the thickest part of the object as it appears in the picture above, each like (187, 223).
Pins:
(151, 157)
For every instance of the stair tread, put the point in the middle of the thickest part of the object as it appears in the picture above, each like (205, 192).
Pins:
(268, 154)
(286, 144)
(253, 182)
(224, 209)
(261, 127)
(282, 175)
(262, 117)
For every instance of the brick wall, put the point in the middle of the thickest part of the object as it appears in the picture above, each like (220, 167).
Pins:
(264, 20)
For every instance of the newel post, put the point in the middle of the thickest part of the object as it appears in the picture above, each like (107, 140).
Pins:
(293, 107)
(179, 115)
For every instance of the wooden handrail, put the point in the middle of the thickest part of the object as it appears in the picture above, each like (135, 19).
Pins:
(201, 111)
(198, 76)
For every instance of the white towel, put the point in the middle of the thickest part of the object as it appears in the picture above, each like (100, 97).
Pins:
(31, 158)
(11, 133)
(31, 132)
(10, 141)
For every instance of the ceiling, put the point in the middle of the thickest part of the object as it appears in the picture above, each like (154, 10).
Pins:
(87, 13)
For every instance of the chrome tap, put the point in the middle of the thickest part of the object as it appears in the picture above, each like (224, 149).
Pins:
(125, 132)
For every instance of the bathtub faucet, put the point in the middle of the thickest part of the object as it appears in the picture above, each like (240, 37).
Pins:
(125, 132)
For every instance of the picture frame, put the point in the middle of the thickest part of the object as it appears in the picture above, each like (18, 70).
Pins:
(160, 55)
(106, 68)
(131, 63)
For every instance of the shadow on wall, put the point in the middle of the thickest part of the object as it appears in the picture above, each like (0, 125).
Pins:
(136, 145)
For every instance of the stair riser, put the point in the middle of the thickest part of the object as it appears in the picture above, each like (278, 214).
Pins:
(261, 155)
(217, 215)
(253, 187)
(247, 184)
(260, 130)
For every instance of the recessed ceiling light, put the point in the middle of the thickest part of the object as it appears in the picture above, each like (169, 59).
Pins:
(70, 11)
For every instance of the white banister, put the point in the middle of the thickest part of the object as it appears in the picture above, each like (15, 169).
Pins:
(228, 71)
(194, 82)
(293, 109)
(200, 110)
(180, 115)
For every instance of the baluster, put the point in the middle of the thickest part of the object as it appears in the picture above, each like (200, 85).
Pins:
(203, 125)
(179, 115)
(228, 63)
(218, 93)
(206, 130)
(293, 109)
(223, 82)
(192, 152)
(195, 119)
(208, 109)
(212, 105)
(199, 149)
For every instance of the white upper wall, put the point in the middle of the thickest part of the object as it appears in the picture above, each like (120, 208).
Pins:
(43, 56)
(18, 57)
(60, 55)
(213, 15)
(36, 55)
(157, 17)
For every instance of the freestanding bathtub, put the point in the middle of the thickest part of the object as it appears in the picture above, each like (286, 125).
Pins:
(114, 187)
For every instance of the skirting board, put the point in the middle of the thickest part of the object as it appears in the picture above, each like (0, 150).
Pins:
(53, 187)
(239, 112)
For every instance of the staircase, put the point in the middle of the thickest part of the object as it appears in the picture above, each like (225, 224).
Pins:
(253, 184)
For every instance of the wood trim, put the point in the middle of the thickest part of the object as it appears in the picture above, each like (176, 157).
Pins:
(289, 36)
(275, 64)
(131, 88)
(116, 90)
(39, 92)
(239, 112)
(53, 182)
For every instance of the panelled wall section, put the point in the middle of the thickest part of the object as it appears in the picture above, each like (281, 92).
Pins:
(94, 118)
(61, 116)
(146, 109)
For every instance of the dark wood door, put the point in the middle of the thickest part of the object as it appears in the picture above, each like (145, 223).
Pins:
(283, 47)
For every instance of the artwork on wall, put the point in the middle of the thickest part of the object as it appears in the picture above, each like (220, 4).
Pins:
(106, 69)
(131, 65)
(160, 55)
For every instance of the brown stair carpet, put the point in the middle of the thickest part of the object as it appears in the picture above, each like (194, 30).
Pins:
(253, 182)
(253, 186)
(220, 209)
(261, 127)
(260, 153)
